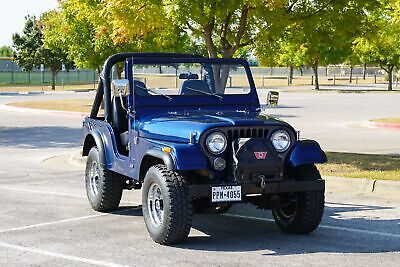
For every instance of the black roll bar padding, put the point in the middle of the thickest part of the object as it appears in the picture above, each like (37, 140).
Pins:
(106, 81)
(97, 100)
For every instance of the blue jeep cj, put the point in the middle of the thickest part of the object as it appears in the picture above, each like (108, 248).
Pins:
(189, 131)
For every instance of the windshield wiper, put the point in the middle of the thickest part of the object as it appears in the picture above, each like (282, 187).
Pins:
(155, 92)
(206, 93)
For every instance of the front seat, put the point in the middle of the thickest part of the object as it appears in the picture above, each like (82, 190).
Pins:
(140, 88)
(189, 87)
(120, 122)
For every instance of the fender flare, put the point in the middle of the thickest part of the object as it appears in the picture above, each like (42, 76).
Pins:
(98, 140)
(306, 152)
(165, 157)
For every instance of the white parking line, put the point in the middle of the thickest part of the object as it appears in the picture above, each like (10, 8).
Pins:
(59, 255)
(52, 223)
(35, 191)
(331, 227)
(40, 192)
(61, 221)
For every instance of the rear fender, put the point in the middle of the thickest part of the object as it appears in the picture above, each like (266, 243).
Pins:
(306, 152)
(95, 138)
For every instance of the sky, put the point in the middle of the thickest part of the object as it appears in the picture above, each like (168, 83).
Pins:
(13, 12)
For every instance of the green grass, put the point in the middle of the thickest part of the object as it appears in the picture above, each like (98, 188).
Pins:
(387, 120)
(76, 105)
(351, 165)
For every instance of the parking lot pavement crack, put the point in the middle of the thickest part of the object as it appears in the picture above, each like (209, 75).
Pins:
(59, 255)
(373, 186)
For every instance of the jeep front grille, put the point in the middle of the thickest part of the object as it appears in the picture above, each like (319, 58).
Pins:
(246, 132)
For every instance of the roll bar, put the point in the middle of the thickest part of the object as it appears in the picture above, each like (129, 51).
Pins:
(104, 87)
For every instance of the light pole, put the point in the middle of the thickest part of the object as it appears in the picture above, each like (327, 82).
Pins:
(42, 75)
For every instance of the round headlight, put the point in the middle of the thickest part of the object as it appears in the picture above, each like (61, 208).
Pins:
(216, 143)
(281, 140)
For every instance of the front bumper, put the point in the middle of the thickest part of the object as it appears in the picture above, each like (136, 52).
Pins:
(201, 191)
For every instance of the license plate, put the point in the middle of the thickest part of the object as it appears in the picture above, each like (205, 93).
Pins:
(226, 193)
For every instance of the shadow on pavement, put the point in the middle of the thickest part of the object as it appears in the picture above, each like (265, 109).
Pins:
(232, 234)
(40, 137)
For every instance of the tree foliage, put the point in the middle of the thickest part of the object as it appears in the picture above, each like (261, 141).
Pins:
(291, 33)
(6, 51)
(30, 51)
(317, 35)
(92, 30)
(381, 44)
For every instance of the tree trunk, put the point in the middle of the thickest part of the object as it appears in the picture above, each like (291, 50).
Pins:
(301, 71)
(53, 78)
(364, 71)
(119, 70)
(315, 69)
(221, 74)
(351, 74)
(290, 74)
(390, 78)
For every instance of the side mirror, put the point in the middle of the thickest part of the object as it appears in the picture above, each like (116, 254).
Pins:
(120, 87)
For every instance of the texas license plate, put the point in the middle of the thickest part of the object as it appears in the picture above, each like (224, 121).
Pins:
(226, 193)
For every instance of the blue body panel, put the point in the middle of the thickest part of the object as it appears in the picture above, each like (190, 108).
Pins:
(103, 132)
(176, 126)
(306, 152)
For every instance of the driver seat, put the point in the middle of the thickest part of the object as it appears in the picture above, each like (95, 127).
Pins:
(120, 122)
(198, 85)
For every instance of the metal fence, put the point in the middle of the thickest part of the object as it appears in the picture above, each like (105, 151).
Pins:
(12, 74)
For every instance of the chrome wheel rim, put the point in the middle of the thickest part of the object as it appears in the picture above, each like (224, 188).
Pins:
(94, 178)
(155, 205)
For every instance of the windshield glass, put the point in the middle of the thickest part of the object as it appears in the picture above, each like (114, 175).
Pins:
(171, 79)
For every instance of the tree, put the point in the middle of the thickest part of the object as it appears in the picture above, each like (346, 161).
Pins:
(381, 45)
(93, 30)
(30, 51)
(6, 51)
(316, 35)
(226, 27)
(286, 51)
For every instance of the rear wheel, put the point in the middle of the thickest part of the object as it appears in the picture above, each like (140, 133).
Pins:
(166, 204)
(103, 187)
(304, 213)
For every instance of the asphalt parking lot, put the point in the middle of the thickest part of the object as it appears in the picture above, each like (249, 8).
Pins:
(47, 221)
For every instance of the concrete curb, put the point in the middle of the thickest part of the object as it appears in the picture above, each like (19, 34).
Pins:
(384, 125)
(378, 188)
(21, 93)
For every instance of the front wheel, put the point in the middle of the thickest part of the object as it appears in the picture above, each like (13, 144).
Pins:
(304, 213)
(166, 205)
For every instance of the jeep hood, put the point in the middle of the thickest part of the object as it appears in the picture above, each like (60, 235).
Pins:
(177, 126)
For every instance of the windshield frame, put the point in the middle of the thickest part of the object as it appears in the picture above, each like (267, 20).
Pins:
(192, 100)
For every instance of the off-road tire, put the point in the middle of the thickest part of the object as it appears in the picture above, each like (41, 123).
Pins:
(109, 186)
(177, 205)
(308, 209)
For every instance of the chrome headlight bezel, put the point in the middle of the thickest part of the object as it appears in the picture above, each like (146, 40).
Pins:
(212, 138)
(281, 140)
